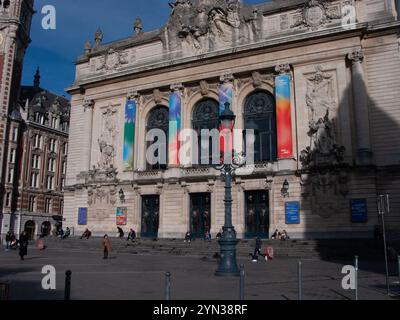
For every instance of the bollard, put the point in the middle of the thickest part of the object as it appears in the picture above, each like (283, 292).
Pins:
(299, 273)
(356, 277)
(398, 266)
(167, 286)
(67, 292)
(242, 274)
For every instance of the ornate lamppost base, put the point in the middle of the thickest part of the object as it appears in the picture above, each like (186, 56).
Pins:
(228, 266)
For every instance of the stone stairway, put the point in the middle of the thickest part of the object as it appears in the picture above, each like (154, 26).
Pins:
(294, 249)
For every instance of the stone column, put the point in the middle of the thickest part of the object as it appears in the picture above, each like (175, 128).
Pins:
(88, 105)
(361, 112)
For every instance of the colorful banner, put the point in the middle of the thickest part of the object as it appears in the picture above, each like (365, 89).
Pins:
(175, 102)
(82, 216)
(225, 95)
(122, 216)
(284, 117)
(129, 134)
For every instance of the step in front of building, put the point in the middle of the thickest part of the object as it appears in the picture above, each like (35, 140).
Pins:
(304, 249)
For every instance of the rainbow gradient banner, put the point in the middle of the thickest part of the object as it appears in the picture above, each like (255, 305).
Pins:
(225, 95)
(284, 117)
(129, 134)
(175, 103)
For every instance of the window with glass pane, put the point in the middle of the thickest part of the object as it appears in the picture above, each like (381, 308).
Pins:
(206, 117)
(260, 116)
(159, 119)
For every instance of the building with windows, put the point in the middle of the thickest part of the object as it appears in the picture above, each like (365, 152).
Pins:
(314, 87)
(38, 160)
(15, 24)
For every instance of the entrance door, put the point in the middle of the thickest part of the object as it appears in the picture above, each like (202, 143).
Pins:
(257, 214)
(46, 228)
(30, 229)
(150, 216)
(200, 214)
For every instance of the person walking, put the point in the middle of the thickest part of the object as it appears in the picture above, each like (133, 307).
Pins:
(8, 240)
(120, 232)
(106, 246)
(257, 249)
(23, 245)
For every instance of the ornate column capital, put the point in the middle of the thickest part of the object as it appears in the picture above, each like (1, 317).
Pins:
(176, 87)
(282, 69)
(88, 104)
(226, 77)
(356, 56)
(133, 95)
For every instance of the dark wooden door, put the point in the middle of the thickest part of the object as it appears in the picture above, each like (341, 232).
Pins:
(150, 216)
(257, 214)
(200, 214)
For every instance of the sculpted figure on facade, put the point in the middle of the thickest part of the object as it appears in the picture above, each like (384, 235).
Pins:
(200, 26)
(107, 138)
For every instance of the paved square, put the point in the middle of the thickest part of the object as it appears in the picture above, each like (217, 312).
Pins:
(129, 276)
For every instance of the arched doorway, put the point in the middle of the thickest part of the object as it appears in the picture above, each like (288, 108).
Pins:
(30, 229)
(45, 229)
(260, 116)
(159, 119)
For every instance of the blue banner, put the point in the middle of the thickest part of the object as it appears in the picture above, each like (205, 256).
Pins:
(82, 216)
(292, 211)
(359, 211)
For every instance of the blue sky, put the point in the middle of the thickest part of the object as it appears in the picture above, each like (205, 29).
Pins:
(54, 51)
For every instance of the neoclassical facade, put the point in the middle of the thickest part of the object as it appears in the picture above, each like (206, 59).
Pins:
(316, 81)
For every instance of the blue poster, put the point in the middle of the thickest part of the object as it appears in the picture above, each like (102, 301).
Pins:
(292, 211)
(82, 216)
(359, 211)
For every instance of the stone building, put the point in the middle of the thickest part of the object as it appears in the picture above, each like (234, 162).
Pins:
(15, 24)
(38, 158)
(317, 82)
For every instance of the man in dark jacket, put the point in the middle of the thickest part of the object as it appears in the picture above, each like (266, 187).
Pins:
(23, 245)
(8, 240)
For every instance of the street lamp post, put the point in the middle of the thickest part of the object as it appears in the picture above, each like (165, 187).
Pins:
(228, 241)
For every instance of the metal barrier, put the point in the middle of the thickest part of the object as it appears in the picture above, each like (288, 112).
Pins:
(299, 274)
(242, 274)
(167, 286)
(67, 289)
(4, 291)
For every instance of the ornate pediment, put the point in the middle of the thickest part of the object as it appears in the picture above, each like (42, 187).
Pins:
(316, 14)
(112, 60)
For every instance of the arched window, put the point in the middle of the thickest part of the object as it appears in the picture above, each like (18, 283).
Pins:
(260, 115)
(206, 116)
(159, 119)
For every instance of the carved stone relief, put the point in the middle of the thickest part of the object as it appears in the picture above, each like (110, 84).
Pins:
(316, 14)
(112, 60)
